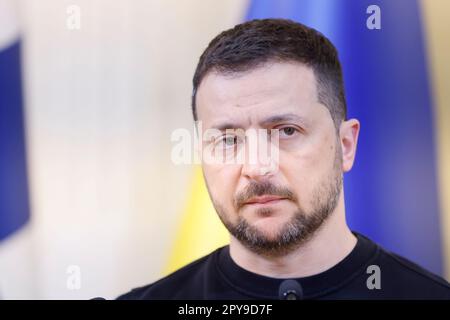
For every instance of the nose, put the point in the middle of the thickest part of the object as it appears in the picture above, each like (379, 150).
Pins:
(260, 162)
(256, 172)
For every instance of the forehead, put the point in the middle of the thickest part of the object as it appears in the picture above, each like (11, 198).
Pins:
(266, 91)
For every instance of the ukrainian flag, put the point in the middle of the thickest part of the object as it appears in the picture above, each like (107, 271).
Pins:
(397, 79)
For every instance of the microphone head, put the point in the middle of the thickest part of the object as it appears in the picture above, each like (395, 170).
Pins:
(290, 290)
(98, 298)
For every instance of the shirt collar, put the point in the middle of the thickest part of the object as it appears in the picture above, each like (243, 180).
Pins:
(263, 287)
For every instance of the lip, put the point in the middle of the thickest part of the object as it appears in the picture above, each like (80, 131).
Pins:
(264, 200)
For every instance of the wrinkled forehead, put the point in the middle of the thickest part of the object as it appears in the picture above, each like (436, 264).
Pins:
(254, 97)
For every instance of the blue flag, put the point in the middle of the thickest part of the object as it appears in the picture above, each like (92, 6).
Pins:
(14, 203)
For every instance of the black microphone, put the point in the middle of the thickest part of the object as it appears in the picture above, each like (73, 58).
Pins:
(98, 298)
(290, 290)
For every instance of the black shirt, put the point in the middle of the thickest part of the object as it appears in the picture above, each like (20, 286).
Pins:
(217, 276)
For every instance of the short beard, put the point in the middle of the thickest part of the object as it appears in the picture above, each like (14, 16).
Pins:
(300, 228)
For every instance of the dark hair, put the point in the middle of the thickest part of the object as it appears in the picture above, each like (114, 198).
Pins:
(253, 43)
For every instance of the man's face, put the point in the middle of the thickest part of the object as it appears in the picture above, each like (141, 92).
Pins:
(272, 209)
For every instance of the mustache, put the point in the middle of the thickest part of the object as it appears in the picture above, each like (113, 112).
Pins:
(257, 189)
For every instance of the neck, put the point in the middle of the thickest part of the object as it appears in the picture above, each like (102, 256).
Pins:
(330, 244)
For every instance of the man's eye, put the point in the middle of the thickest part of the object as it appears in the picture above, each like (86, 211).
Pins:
(228, 141)
(288, 131)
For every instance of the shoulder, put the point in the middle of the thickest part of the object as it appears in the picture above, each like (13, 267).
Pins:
(185, 282)
(409, 279)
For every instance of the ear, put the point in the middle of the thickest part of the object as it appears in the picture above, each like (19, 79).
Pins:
(349, 132)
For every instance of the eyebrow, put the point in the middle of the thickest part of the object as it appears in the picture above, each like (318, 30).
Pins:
(282, 118)
(265, 122)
